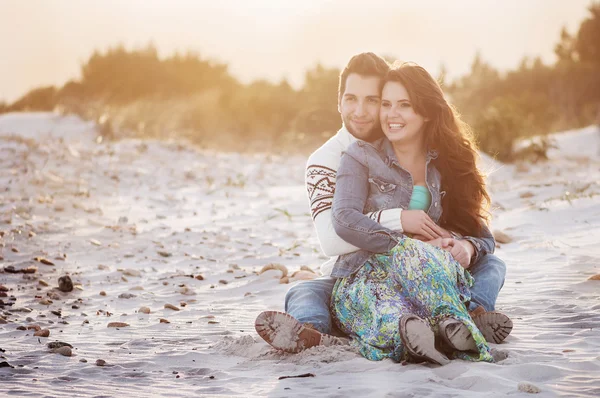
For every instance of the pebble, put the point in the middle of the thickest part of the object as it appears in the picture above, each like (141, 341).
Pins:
(83, 360)
(131, 272)
(65, 351)
(34, 327)
(117, 325)
(501, 237)
(45, 302)
(529, 388)
(164, 254)
(199, 277)
(3, 288)
(42, 333)
(65, 284)
(57, 344)
(163, 320)
(171, 307)
(126, 295)
(102, 293)
(43, 282)
(186, 291)
(144, 310)
(43, 260)
(100, 362)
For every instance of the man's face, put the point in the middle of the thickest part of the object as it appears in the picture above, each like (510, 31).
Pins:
(359, 106)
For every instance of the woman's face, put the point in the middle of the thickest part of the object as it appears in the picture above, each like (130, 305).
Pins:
(399, 121)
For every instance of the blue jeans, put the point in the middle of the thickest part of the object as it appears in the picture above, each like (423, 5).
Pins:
(308, 301)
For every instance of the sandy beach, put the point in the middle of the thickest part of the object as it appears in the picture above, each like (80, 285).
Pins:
(185, 233)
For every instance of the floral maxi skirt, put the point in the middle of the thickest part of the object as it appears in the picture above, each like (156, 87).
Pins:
(414, 277)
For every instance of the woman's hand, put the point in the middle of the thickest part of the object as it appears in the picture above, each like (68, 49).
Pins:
(422, 238)
(418, 223)
(461, 250)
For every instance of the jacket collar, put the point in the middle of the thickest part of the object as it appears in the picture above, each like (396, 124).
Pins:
(385, 148)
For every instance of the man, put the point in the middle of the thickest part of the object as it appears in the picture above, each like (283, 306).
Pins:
(307, 321)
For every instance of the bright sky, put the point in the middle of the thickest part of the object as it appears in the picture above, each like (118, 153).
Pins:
(44, 42)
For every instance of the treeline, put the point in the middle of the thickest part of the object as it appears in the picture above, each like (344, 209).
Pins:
(136, 93)
(535, 98)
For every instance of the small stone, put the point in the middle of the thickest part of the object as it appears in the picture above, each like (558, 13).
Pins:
(186, 291)
(45, 302)
(502, 237)
(117, 325)
(163, 320)
(42, 333)
(171, 307)
(57, 344)
(103, 267)
(164, 254)
(43, 260)
(223, 282)
(102, 293)
(21, 328)
(32, 234)
(14, 249)
(126, 295)
(83, 360)
(3, 288)
(95, 242)
(199, 277)
(131, 272)
(144, 310)
(527, 194)
(64, 351)
(100, 362)
(65, 284)
(529, 388)
(43, 282)
(34, 327)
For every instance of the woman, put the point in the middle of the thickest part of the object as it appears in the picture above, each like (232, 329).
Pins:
(426, 164)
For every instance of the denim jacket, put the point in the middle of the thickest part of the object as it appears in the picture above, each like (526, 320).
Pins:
(370, 179)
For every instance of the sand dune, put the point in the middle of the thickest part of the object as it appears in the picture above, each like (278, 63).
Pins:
(148, 224)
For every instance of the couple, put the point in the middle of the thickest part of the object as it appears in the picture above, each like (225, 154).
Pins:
(398, 204)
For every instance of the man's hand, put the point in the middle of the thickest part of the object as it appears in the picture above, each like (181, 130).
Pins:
(418, 223)
(461, 250)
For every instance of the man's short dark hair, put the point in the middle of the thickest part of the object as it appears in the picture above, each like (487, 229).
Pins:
(365, 64)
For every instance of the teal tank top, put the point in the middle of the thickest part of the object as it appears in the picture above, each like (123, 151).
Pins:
(420, 199)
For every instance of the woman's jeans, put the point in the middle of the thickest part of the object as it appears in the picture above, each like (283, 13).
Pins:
(308, 301)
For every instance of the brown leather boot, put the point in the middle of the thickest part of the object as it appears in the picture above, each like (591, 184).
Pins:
(494, 325)
(286, 333)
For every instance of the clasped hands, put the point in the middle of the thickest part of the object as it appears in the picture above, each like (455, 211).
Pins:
(418, 225)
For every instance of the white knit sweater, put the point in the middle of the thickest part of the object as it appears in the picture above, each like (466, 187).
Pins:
(321, 170)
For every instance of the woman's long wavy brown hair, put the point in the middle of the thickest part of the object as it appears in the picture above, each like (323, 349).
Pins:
(466, 202)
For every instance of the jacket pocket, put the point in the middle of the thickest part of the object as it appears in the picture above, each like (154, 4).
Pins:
(382, 186)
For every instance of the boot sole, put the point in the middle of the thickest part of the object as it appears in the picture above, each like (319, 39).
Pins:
(494, 326)
(457, 336)
(419, 340)
(283, 332)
